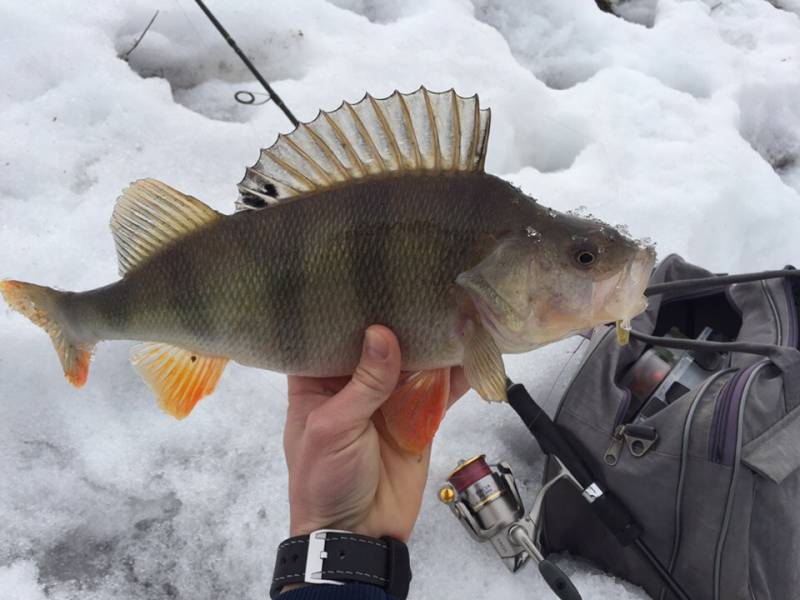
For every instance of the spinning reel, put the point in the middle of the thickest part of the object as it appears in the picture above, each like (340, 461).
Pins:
(486, 501)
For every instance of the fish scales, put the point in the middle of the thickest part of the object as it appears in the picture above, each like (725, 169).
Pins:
(377, 212)
(292, 288)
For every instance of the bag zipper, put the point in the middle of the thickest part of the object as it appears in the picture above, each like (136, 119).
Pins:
(725, 424)
(637, 437)
(720, 407)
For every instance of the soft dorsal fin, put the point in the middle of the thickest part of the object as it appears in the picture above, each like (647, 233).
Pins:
(149, 215)
(421, 131)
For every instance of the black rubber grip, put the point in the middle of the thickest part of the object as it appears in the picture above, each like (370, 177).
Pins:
(558, 582)
(547, 433)
(617, 518)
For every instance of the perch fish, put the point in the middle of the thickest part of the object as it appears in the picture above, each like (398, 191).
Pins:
(376, 212)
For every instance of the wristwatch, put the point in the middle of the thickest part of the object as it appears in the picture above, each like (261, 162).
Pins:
(336, 557)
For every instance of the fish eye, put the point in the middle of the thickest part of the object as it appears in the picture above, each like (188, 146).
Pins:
(585, 257)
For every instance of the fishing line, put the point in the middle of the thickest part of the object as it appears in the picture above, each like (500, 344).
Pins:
(127, 55)
(192, 25)
(232, 43)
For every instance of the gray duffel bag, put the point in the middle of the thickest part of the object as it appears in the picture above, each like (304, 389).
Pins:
(707, 460)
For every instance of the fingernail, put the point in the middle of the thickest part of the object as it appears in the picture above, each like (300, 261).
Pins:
(375, 345)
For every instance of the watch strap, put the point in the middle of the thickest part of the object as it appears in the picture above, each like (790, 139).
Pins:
(337, 557)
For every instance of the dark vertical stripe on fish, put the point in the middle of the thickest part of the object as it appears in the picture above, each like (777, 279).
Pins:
(368, 256)
(305, 330)
(287, 287)
(120, 308)
(187, 294)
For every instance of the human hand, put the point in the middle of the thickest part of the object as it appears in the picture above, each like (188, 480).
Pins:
(345, 470)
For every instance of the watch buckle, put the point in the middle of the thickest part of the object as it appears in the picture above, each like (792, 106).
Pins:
(317, 554)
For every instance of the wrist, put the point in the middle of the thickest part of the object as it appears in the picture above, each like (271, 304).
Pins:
(370, 527)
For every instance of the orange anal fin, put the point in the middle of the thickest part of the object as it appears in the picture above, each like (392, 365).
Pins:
(178, 377)
(415, 409)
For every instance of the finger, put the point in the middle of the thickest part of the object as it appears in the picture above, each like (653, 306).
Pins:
(372, 383)
(304, 395)
(299, 385)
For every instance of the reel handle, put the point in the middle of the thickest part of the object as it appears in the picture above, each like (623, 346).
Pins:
(555, 577)
(558, 582)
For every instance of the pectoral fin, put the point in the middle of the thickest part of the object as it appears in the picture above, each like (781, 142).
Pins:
(415, 409)
(178, 377)
(483, 365)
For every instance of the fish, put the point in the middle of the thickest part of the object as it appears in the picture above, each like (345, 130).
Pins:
(378, 212)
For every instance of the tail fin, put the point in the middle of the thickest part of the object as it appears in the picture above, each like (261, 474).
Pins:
(39, 304)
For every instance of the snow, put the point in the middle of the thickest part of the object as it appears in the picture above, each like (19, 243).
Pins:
(682, 123)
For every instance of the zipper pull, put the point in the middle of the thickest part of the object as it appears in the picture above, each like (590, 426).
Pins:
(640, 438)
(615, 449)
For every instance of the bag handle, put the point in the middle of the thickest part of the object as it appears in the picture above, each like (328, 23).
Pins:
(701, 283)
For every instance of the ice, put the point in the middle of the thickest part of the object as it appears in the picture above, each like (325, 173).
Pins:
(623, 229)
(581, 211)
(679, 121)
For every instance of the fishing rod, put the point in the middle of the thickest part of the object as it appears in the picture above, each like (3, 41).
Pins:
(232, 43)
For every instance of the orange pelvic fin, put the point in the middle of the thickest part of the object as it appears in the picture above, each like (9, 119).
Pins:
(178, 377)
(41, 305)
(415, 409)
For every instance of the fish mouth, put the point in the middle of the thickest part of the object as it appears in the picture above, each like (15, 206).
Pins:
(621, 297)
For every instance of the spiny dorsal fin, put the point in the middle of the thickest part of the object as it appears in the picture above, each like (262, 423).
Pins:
(149, 215)
(421, 131)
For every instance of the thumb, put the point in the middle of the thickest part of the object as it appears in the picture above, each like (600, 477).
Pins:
(373, 381)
